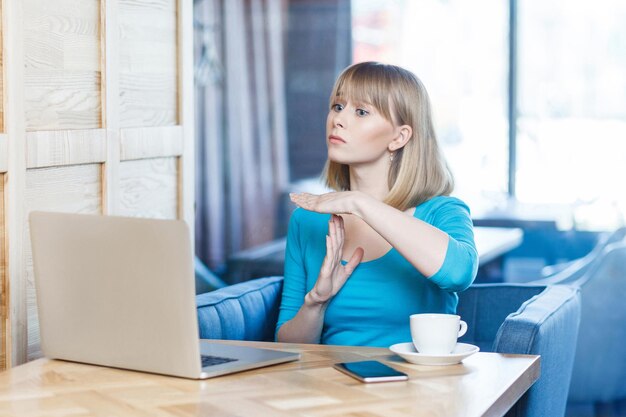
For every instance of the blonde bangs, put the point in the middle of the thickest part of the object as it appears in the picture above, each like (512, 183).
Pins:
(364, 85)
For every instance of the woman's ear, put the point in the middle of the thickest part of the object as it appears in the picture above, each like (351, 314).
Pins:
(404, 135)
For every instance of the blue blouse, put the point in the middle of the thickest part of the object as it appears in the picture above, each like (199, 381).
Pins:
(374, 305)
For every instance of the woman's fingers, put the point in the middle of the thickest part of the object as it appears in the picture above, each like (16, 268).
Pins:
(354, 261)
(332, 233)
(329, 263)
(304, 200)
(341, 230)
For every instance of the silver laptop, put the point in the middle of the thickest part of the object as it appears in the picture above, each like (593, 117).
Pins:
(119, 292)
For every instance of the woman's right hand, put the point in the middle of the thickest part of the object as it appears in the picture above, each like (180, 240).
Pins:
(333, 274)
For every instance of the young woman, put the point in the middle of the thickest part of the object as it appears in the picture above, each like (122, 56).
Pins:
(390, 242)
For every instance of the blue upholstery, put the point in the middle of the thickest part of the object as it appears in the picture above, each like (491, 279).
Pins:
(537, 320)
(506, 318)
(600, 367)
(598, 386)
(245, 311)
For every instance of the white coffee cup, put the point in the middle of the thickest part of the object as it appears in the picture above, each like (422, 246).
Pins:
(436, 334)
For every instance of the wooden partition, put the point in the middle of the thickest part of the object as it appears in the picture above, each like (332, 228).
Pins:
(4, 295)
(99, 120)
(4, 310)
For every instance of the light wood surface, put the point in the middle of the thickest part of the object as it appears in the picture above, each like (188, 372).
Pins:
(15, 127)
(62, 64)
(4, 152)
(110, 107)
(186, 112)
(148, 188)
(151, 142)
(65, 147)
(4, 300)
(1, 81)
(485, 384)
(148, 62)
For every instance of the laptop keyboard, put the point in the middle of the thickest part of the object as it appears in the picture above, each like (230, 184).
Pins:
(214, 360)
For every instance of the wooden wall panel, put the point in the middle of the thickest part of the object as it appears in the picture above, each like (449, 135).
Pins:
(151, 142)
(4, 152)
(65, 147)
(98, 119)
(1, 78)
(149, 188)
(4, 300)
(70, 189)
(148, 63)
(62, 72)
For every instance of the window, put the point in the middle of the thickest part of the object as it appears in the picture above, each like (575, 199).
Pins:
(459, 50)
(572, 108)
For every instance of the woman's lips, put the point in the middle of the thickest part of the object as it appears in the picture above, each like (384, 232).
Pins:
(335, 139)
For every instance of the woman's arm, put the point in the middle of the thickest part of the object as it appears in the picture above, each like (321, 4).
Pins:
(425, 246)
(306, 325)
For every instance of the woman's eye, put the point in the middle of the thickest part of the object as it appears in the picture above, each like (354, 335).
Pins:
(362, 112)
(337, 107)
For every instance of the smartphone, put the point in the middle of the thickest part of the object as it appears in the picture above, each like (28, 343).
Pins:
(371, 371)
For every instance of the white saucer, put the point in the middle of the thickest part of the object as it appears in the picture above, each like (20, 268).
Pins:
(407, 352)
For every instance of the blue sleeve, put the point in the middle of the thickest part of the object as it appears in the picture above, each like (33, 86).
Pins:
(294, 284)
(460, 265)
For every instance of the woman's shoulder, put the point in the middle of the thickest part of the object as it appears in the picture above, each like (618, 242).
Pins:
(442, 207)
(443, 201)
(305, 219)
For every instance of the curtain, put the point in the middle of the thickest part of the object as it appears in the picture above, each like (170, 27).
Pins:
(241, 145)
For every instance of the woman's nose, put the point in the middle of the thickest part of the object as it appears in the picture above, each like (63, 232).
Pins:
(338, 121)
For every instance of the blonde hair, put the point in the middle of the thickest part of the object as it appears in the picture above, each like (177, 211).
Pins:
(418, 171)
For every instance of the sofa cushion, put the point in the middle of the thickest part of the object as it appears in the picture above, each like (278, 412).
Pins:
(245, 311)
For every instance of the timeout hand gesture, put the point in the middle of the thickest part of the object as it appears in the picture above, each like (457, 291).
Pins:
(333, 274)
(340, 202)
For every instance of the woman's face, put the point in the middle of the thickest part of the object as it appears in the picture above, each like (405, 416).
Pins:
(356, 133)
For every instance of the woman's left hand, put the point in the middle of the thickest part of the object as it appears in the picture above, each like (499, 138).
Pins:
(342, 202)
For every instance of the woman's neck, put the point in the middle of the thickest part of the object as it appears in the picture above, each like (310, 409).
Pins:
(370, 180)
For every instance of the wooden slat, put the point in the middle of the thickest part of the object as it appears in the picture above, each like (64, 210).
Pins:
(4, 152)
(71, 189)
(148, 188)
(4, 300)
(110, 105)
(151, 142)
(1, 81)
(65, 147)
(62, 64)
(148, 78)
(15, 181)
(186, 184)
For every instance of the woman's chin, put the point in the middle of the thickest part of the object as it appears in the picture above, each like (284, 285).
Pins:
(342, 161)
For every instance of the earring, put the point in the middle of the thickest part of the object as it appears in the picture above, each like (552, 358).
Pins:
(391, 156)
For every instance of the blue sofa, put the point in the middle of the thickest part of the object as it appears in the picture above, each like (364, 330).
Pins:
(598, 386)
(505, 318)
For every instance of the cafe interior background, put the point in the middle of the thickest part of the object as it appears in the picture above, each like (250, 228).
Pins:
(529, 101)
(529, 104)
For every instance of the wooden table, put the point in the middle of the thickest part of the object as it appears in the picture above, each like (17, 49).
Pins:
(268, 259)
(485, 384)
